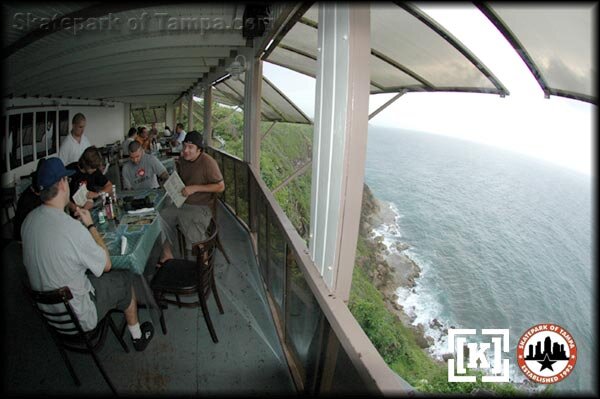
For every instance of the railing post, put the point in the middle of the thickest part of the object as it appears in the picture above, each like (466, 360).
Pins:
(190, 113)
(208, 115)
(340, 138)
(252, 104)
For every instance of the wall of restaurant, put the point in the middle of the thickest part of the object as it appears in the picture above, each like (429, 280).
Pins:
(106, 122)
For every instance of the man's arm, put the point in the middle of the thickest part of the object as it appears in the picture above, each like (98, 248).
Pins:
(203, 188)
(86, 218)
(162, 178)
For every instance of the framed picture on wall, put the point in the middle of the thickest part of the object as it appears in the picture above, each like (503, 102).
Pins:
(51, 132)
(14, 140)
(40, 135)
(27, 139)
(63, 124)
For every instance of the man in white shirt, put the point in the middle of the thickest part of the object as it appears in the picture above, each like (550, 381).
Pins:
(75, 143)
(59, 251)
(177, 142)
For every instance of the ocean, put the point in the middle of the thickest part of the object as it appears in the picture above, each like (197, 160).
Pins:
(503, 240)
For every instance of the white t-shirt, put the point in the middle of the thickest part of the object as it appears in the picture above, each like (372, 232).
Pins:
(70, 150)
(180, 138)
(57, 252)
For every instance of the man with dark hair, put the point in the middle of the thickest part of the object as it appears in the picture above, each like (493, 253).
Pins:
(60, 251)
(130, 137)
(203, 180)
(28, 201)
(142, 170)
(88, 172)
(76, 142)
(177, 142)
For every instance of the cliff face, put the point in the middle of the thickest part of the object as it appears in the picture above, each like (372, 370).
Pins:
(387, 270)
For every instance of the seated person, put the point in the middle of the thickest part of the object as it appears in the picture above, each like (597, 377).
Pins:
(203, 180)
(142, 170)
(28, 201)
(130, 137)
(59, 251)
(143, 138)
(177, 142)
(88, 171)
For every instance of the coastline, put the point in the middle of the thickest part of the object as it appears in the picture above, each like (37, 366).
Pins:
(394, 269)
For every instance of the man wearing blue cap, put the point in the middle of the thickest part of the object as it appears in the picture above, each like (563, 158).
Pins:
(60, 251)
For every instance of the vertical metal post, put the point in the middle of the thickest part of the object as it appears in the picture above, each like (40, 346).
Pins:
(340, 138)
(180, 112)
(191, 113)
(252, 96)
(252, 103)
(208, 115)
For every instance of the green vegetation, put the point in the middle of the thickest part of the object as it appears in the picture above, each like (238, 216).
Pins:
(284, 150)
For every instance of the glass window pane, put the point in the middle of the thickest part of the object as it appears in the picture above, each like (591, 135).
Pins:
(228, 176)
(241, 177)
(302, 321)
(51, 127)
(40, 135)
(27, 137)
(262, 234)
(346, 379)
(276, 261)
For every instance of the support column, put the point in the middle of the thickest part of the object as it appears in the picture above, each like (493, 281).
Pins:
(252, 96)
(170, 115)
(190, 113)
(180, 112)
(340, 141)
(208, 115)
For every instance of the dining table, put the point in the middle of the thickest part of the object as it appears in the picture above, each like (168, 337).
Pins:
(140, 230)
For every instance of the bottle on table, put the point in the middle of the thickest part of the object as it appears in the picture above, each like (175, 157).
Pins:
(101, 218)
(107, 205)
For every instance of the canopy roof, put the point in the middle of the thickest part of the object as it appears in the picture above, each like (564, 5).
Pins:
(154, 53)
(555, 41)
(409, 52)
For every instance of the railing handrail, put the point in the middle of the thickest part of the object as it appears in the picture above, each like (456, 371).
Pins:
(356, 343)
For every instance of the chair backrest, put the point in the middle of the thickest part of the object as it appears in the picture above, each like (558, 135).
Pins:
(9, 195)
(205, 256)
(57, 312)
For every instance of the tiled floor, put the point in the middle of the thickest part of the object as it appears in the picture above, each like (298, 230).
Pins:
(247, 360)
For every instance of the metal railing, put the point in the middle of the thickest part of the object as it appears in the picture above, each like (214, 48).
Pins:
(327, 350)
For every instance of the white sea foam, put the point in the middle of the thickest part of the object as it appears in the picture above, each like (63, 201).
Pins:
(420, 303)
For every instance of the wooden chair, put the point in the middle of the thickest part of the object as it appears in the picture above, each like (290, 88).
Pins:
(9, 200)
(179, 277)
(184, 234)
(66, 331)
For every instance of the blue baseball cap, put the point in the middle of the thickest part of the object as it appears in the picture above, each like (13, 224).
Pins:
(51, 171)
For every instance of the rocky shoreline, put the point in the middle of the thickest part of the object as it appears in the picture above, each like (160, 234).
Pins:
(394, 269)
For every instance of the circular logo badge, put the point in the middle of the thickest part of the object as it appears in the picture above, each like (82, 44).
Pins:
(546, 353)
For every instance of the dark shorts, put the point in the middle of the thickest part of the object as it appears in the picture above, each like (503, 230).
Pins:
(113, 291)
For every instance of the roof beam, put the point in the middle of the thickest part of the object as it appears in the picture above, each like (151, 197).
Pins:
(285, 21)
(388, 103)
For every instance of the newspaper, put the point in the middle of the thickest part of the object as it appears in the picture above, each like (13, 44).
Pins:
(80, 196)
(174, 186)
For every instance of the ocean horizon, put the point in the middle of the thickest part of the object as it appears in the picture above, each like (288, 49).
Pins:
(503, 240)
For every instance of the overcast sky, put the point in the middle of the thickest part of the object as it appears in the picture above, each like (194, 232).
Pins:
(556, 129)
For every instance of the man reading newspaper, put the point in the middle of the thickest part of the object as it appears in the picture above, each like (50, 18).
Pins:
(202, 181)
